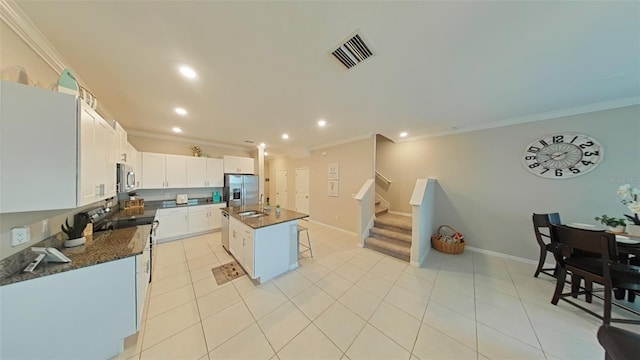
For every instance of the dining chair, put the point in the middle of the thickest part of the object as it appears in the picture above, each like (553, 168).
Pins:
(619, 344)
(541, 222)
(591, 255)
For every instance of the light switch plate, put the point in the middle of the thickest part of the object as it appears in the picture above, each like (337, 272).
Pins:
(20, 235)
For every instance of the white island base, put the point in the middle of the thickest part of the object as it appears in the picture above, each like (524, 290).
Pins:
(265, 252)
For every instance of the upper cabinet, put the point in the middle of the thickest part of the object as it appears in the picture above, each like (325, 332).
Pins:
(38, 141)
(96, 158)
(238, 165)
(163, 171)
(204, 172)
(121, 147)
(54, 155)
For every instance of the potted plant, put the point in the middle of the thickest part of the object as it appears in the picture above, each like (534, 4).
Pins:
(74, 232)
(614, 224)
(631, 198)
(195, 149)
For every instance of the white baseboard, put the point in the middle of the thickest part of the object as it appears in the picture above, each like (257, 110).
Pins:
(400, 213)
(422, 258)
(506, 256)
(334, 227)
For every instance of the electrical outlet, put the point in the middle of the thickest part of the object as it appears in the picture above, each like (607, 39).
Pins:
(20, 235)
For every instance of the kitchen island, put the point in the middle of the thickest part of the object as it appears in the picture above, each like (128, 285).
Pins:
(264, 243)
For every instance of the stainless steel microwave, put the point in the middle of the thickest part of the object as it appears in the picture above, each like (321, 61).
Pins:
(126, 178)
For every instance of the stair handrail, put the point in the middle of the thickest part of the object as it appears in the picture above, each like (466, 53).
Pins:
(384, 179)
(366, 198)
(423, 225)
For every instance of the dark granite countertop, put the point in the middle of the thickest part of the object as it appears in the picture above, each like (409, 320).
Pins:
(100, 248)
(272, 218)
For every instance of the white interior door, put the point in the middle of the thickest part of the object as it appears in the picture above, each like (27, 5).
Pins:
(302, 190)
(281, 188)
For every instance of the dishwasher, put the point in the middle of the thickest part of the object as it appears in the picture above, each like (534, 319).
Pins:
(225, 231)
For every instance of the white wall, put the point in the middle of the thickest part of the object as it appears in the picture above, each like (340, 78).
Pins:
(355, 160)
(485, 192)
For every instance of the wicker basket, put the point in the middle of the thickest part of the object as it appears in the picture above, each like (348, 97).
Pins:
(445, 246)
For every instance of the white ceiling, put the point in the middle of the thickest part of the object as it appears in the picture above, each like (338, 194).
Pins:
(265, 68)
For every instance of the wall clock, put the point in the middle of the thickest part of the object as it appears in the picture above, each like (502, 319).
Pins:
(562, 156)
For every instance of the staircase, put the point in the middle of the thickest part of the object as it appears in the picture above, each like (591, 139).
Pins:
(391, 234)
(381, 209)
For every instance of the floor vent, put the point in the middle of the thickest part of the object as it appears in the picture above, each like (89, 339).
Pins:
(352, 52)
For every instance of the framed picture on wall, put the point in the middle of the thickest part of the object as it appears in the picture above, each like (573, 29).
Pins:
(333, 188)
(333, 172)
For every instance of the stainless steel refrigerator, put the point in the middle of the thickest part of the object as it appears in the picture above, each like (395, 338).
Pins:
(241, 190)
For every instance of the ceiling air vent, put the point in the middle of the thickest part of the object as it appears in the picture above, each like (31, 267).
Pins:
(352, 52)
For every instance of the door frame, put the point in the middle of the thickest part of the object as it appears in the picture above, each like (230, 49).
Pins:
(286, 186)
(308, 189)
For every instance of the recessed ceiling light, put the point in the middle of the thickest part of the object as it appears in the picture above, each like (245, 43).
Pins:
(404, 134)
(262, 145)
(322, 122)
(187, 72)
(266, 153)
(181, 111)
(285, 136)
(176, 129)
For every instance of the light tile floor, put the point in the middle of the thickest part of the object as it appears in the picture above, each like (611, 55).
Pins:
(353, 303)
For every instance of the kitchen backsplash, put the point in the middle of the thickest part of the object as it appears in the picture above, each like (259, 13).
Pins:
(170, 194)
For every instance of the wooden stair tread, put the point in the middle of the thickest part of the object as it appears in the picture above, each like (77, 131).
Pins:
(391, 234)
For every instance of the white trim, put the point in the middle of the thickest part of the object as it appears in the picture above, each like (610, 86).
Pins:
(333, 227)
(422, 259)
(20, 23)
(506, 256)
(400, 213)
(186, 140)
(576, 110)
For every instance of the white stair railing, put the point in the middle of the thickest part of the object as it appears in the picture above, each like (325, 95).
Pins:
(423, 211)
(366, 198)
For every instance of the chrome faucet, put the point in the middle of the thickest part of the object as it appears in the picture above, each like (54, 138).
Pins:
(261, 196)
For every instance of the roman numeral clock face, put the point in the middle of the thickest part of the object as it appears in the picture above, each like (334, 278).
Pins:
(562, 156)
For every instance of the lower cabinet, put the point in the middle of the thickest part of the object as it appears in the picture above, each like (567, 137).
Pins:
(181, 222)
(173, 222)
(204, 218)
(79, 314)
(265, 252)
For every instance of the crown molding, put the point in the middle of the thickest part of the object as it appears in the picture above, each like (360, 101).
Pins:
(20, 23)
(342, 142)
(577, 110)
(186, 140)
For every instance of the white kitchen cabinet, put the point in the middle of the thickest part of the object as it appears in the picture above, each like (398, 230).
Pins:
(196, 172)
(38, 149)
(176, 171)
(121, 149)
(69, 160)
(72, 304)
(238, 165)
(204, 172)
(265, 252)
(153, 171)
(97, 166)
(163, 171)
(205, 218)
(174, 222)
(143, 272)
(215, 173)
